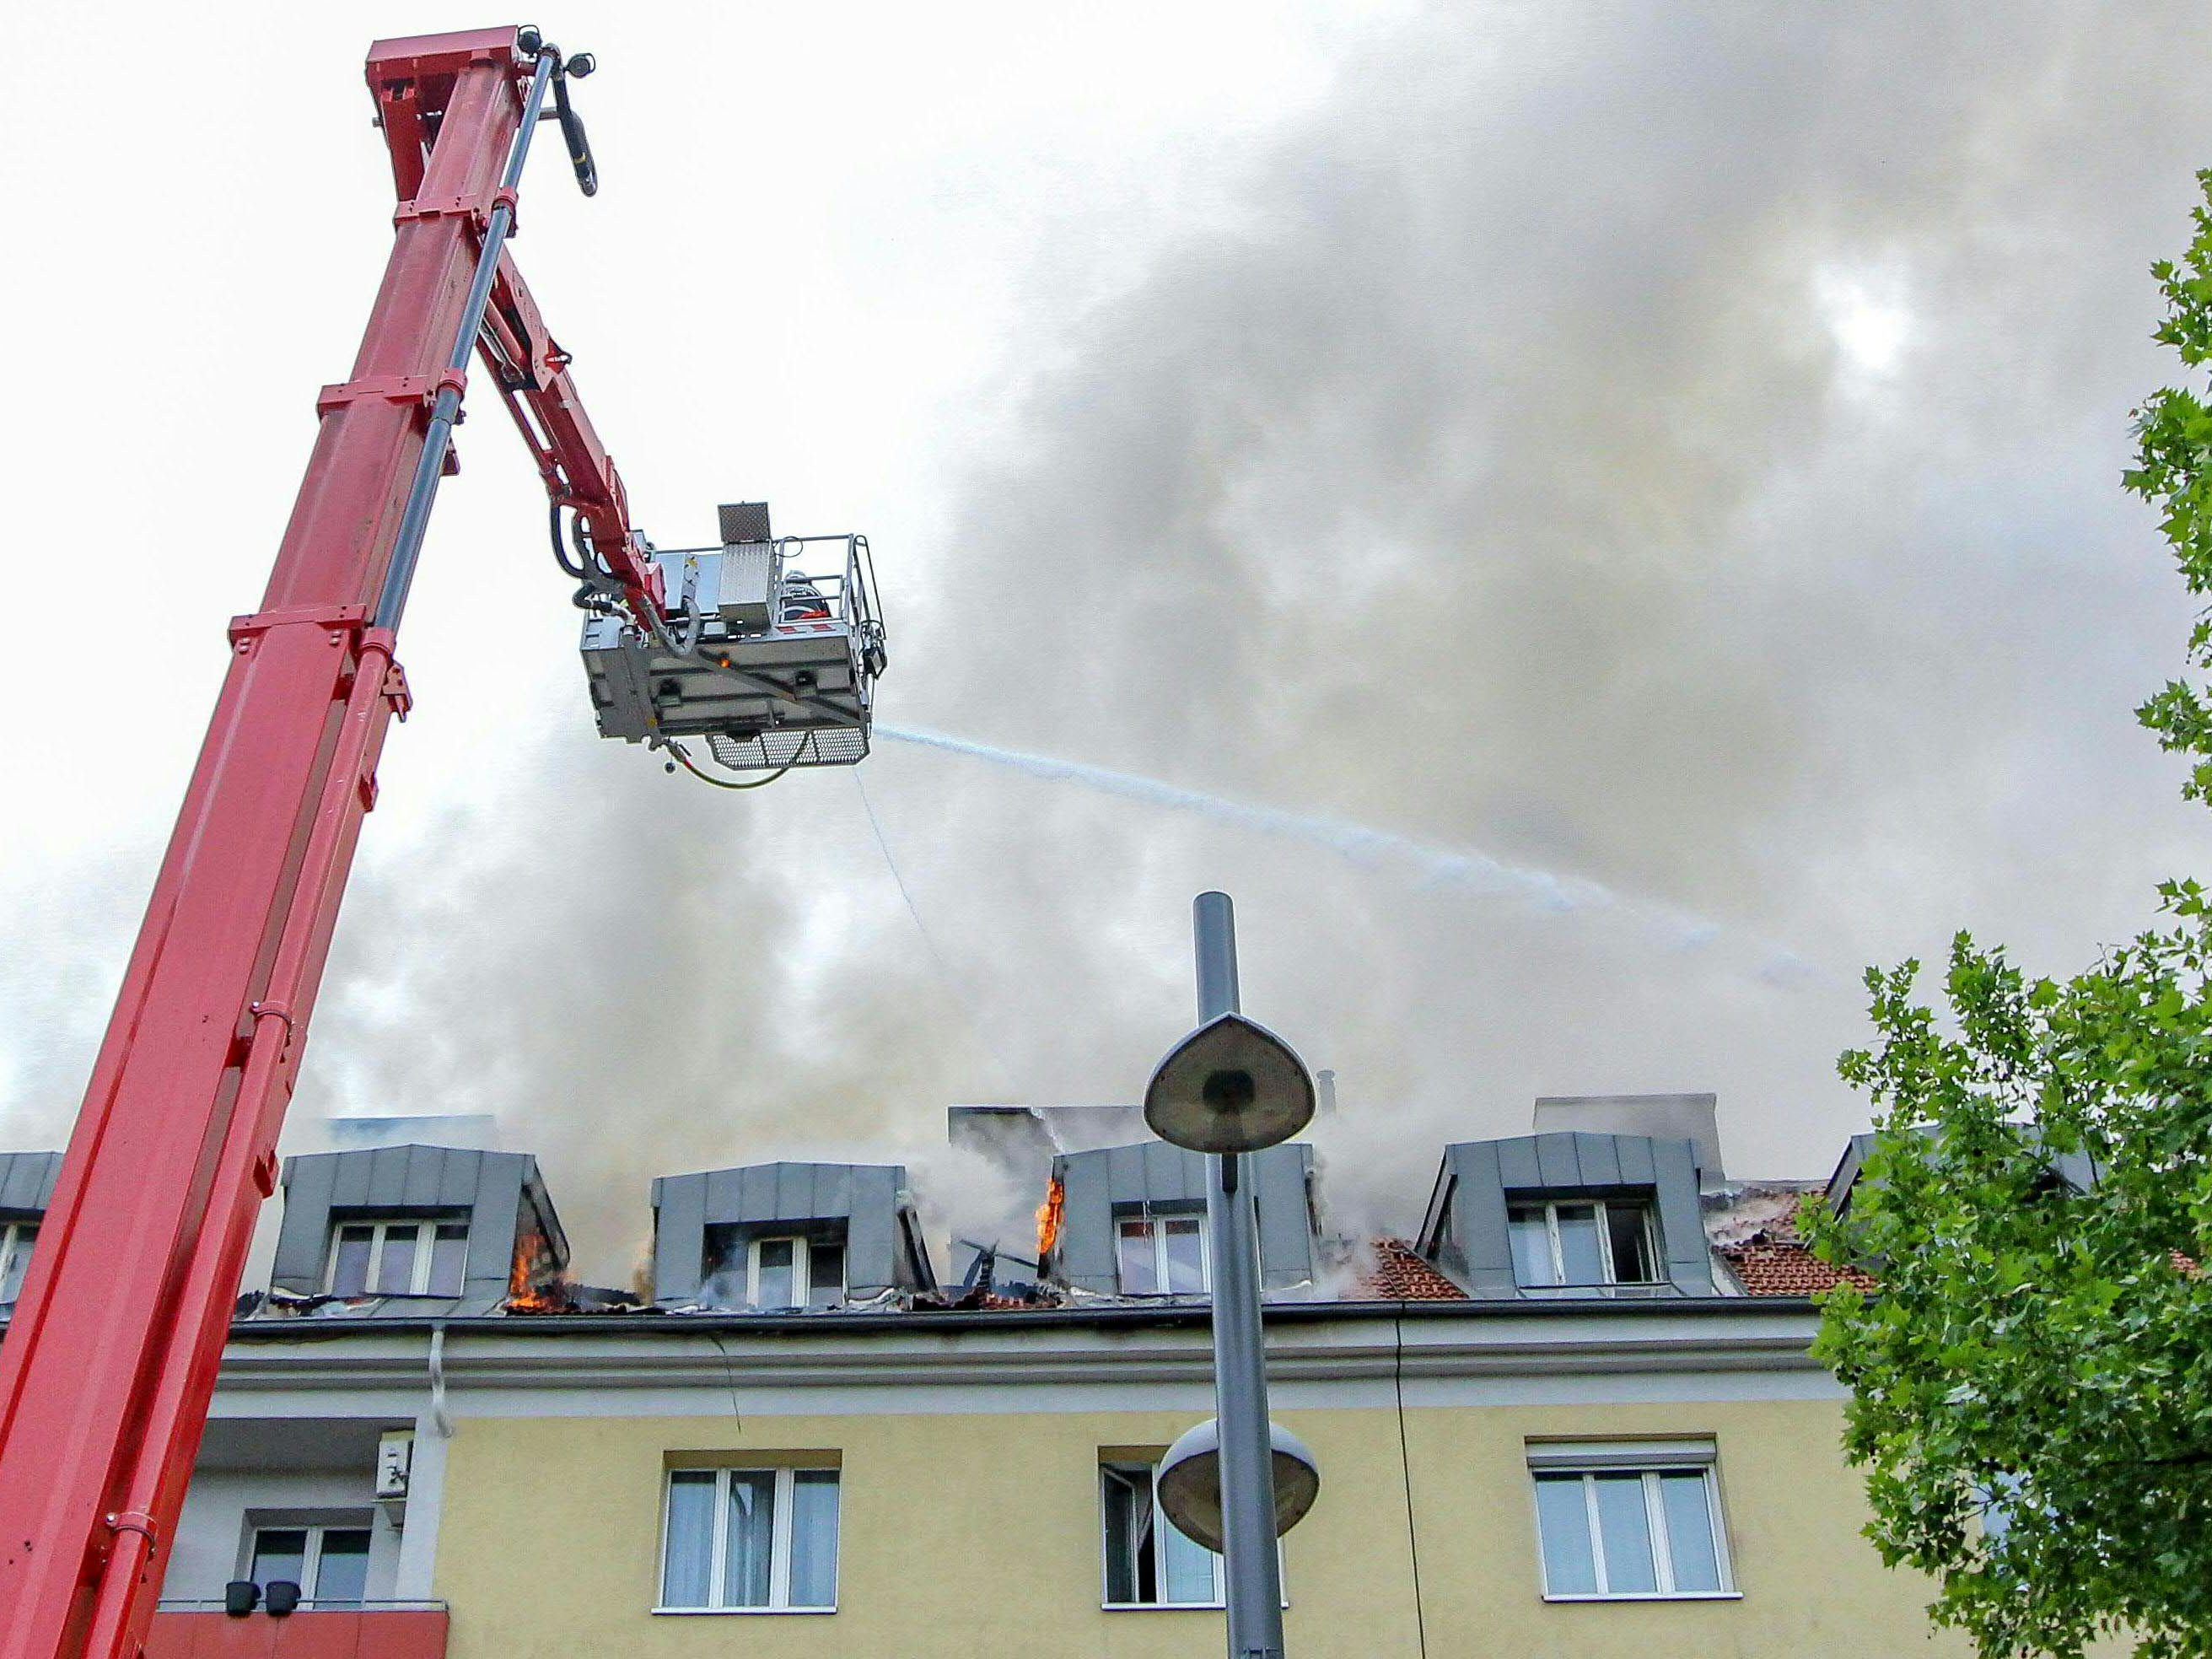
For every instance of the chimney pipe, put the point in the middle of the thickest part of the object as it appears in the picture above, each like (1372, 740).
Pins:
(1325, 1086)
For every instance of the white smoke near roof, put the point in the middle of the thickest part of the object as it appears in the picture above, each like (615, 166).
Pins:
(1675, 452)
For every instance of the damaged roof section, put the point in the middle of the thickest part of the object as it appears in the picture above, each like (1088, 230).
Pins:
(414, 1230)
(1398, 1273)
(1754, 1231)
(1567, 1215)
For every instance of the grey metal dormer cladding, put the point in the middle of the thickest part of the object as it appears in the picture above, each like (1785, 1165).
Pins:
(2078, 1171)
(865, 1207)
(500, 1195)
(1465, 1230)
(26, 1184)
(1098, 1188)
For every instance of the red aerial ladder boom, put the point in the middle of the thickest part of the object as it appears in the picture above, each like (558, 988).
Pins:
(111, 1355)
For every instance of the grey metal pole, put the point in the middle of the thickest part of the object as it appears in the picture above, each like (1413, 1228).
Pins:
(1240, 1364)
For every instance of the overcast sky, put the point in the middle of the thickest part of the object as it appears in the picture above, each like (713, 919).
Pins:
(1675, 456)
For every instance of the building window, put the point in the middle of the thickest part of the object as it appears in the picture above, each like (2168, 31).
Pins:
(329, 1564)
(794, 1271)
(1148, 1562)
(1446, 1241)
(1580, 1245)
(1161, 1254)
(750, 1541)
(16, 1241)
(397, 1257)
(788, 1270)
(1628, 1523)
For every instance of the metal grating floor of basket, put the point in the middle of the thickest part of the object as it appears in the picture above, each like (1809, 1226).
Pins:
(773, 751)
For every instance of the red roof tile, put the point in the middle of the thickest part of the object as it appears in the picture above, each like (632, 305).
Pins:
(1400, 1273)
(1770, 1266)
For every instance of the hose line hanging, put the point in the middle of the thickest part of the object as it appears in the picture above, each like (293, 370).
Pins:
(569, 568)
(683, 757)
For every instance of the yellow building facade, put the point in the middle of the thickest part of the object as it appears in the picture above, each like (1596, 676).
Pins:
(1577, 1416)
(967, 1450)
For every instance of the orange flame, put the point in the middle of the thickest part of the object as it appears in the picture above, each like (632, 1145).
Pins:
(1048, 1217)
(532, 1286)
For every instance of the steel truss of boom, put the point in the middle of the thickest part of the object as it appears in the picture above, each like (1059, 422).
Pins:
(111, 1357)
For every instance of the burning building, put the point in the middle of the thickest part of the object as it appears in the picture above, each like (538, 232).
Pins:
(1574, 1411)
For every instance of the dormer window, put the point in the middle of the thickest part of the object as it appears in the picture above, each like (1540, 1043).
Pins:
(1161, 1254)
(397, 1257)
(1586, 1245)
(16, 1241)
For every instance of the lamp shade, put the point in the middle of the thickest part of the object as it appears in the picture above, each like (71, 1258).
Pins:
(1232, 1085)
(1188, 1482)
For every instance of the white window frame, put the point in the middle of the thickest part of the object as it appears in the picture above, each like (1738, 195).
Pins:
(426, 1241)
(1155, 1223)
(1551, 1208)
(779, 1557)
(1650, 1460)
(17, 1240)
(311, 1559)
(1160, 1523)
(1114, 1465)
(802, 1268)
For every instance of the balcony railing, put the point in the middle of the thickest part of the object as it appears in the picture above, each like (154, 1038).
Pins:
(363, 1630)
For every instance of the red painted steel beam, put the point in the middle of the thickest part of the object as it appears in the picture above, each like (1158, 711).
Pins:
(532, 375)
(111, 1354)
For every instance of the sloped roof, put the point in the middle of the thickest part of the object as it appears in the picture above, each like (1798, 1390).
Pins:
(1399, 1274)
(1775, 1261)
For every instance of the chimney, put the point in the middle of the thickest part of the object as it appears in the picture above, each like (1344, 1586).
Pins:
(1325, 1087)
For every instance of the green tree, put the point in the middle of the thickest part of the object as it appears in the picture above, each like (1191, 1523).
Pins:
(2031, 1374)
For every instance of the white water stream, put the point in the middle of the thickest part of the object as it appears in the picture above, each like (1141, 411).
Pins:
(1362, 844)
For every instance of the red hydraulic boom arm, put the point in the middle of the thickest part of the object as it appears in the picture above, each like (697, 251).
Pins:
(111, 1354)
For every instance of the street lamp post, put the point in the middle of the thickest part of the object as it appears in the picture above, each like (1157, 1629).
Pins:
(1240, 1361)
(1232, 1087)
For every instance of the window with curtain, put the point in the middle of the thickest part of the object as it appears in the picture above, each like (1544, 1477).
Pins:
(1626, 1523)
(750, 1541)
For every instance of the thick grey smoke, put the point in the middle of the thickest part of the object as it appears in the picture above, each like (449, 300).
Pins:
(1675, 452)
(1679, 452)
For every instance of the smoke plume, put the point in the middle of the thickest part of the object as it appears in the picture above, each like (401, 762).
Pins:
(1677, 452)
